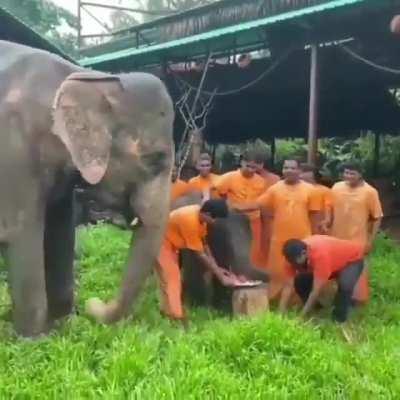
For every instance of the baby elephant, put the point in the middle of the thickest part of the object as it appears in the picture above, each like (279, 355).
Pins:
(229, 240)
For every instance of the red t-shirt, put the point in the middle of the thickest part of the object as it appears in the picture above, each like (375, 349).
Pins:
(328, 255)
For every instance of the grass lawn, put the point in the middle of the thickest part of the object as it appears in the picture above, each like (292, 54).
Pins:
(148, 357)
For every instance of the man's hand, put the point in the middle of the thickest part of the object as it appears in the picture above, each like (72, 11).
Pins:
(227, 278)
(324, 227)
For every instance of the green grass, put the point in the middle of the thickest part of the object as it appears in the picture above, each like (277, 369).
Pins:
(148, 357)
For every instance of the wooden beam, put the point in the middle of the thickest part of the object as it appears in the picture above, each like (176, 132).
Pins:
(313, 107)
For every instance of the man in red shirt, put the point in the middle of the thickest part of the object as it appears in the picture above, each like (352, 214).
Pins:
(313, 261)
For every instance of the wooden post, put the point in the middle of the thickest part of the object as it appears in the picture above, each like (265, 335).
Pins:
(377, 151)
(313, 109)
(196, 148)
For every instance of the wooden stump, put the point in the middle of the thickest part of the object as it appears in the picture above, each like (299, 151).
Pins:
(250, 300)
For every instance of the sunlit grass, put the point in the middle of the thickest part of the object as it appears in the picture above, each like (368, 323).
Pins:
(148, 357)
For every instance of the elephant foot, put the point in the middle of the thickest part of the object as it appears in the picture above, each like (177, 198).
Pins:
(104, 313)
(33, 324)
(61, 310)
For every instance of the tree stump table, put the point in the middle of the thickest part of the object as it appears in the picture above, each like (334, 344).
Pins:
(250, 300)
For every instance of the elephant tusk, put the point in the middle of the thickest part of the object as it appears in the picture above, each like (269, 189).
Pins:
(135, 221)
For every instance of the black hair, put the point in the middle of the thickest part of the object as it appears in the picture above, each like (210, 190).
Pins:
(217, 208)
(205, 157)
(297, 161)
(293, 248)
(250, 155)
(352, 166)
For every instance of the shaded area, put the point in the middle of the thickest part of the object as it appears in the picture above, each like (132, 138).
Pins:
(353, 96)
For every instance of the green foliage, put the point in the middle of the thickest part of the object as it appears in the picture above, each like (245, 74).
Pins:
(335, 151)
(269, 357)
(47, 19)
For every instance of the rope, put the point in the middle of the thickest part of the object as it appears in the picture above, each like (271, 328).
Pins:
(183, 160)
(271, 68)
(369, 62)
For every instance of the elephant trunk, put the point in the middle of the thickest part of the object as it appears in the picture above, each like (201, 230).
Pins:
(152, 210)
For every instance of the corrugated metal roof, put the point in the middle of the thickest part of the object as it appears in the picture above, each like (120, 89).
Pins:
(12, 28)
(149, 54)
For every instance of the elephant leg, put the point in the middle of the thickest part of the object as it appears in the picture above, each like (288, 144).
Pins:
(151, 206)
(59, 241)
(27, 280)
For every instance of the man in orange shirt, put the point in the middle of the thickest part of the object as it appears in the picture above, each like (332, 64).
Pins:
(206, 179)
(241, 187)
(179, 187)
(357, 216)
(311, 175)
(312, 262)
(292, 207)
(187, 229)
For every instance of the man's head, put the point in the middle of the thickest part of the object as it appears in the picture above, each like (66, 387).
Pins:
(259, 158)
(309, 173)
(174, 175)
(291, 171)
(352, 173)
(295, 252)
(204, 165)
(213, 209)
(249, 163)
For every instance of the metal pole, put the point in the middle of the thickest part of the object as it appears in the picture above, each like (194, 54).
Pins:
(313, 109)
(134, 10)
(79, 27)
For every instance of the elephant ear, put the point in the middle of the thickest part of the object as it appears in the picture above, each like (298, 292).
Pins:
(82, 116)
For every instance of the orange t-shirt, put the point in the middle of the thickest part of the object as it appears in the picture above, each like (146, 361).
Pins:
(201, 184)
(241, 190)
(290, 206)
(353, 208)
(328, 255)
(269, 178)
(325, 197)
(179, 188)
(184, 229)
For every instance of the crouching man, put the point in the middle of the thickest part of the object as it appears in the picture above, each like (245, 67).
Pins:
(187, 229)
(312, 262)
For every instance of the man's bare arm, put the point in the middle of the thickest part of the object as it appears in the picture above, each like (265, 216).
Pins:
(373, 230)
(247, 207)
(313, 297)
(285, 296)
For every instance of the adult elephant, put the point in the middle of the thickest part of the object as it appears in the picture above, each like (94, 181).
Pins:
(56, 119)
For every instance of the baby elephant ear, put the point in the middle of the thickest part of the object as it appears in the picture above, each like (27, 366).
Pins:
(83, 120)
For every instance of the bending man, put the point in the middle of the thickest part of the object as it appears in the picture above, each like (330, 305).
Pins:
(312, 262)
(187, 229)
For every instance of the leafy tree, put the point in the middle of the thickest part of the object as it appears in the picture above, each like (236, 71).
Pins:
(47, 19)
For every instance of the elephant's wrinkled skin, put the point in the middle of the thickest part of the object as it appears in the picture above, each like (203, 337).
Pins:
(57, 119)
(229, 240)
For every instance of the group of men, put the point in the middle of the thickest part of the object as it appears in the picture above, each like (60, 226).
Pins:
(304, 234)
